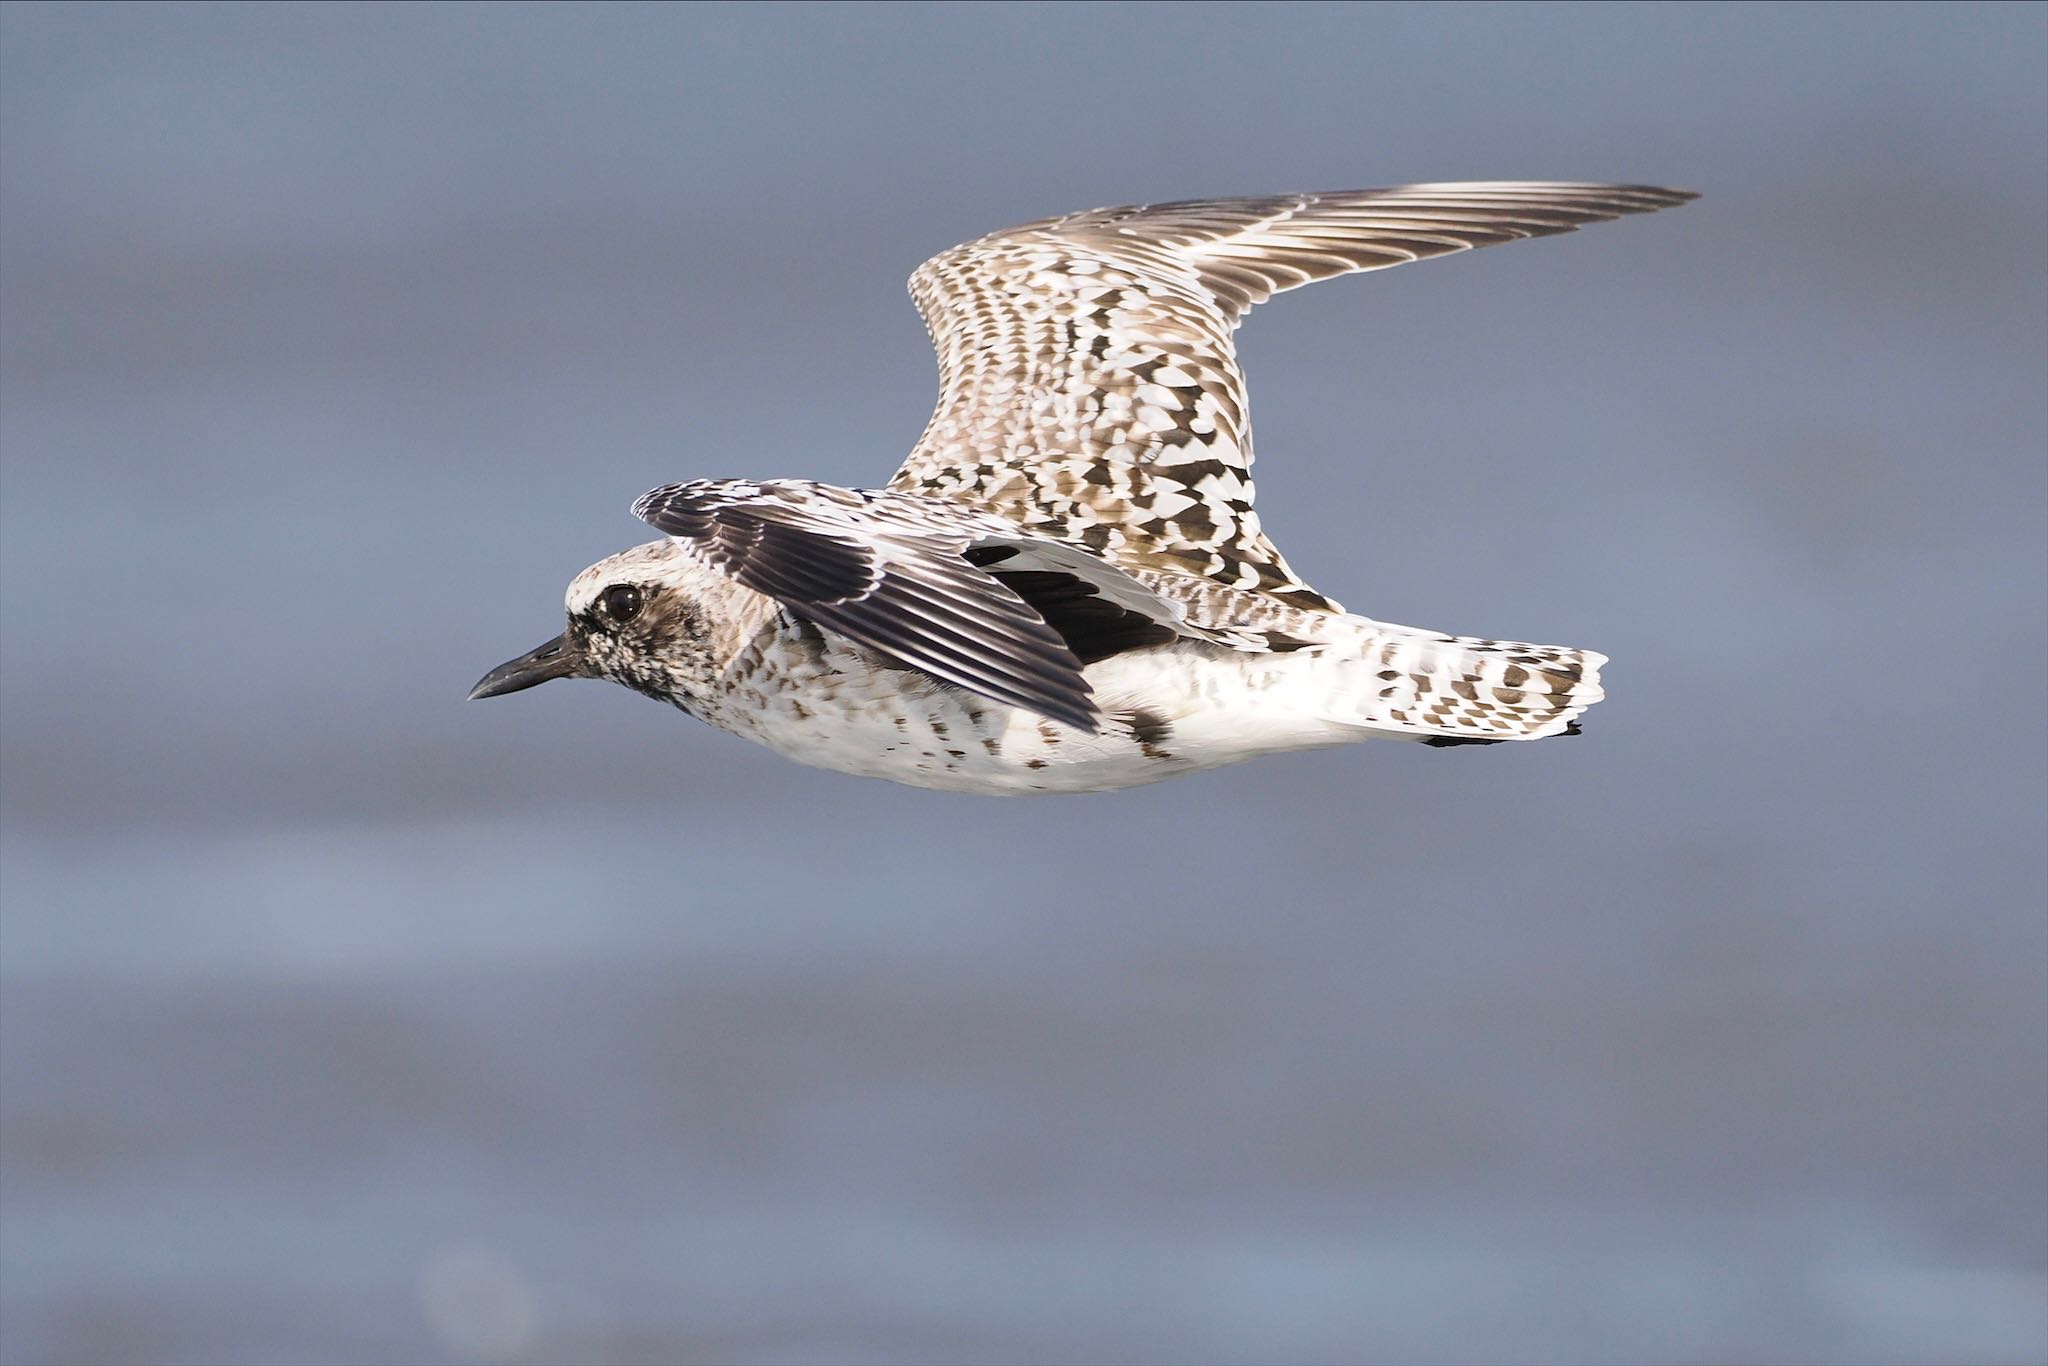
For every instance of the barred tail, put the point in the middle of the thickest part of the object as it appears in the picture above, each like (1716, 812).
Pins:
(1457, 690)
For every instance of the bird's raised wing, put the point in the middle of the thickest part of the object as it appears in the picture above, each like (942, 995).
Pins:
(1088, 386)
(962, 594)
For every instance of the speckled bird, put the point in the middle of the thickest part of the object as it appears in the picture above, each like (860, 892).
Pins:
(1066, 588)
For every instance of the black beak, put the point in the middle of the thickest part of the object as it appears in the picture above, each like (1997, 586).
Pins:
(559, 658)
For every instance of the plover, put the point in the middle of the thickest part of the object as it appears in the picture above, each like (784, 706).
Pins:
(1066, 588)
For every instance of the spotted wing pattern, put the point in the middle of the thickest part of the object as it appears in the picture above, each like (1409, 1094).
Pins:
(929, 584)
(1088, 384)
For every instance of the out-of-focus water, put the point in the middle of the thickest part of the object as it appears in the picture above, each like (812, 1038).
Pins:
(342, 1022)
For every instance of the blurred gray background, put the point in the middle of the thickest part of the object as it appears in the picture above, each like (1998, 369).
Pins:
(345, 1022)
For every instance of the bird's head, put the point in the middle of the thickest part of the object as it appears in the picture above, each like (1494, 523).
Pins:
(638, 617)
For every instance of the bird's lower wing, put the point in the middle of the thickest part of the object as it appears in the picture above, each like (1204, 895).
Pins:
(961, 594)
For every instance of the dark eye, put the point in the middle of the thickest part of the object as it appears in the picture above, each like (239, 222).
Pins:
(621, 602)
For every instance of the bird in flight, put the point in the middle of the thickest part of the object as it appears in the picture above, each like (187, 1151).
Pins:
(1066, 588)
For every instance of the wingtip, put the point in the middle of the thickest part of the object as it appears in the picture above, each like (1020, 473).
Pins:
(1069, 702)
(1076, 709)
(1672, 195)
(1089, 722)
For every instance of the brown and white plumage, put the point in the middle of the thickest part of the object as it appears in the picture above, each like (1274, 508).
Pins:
(1088, 383)
(1065, 587)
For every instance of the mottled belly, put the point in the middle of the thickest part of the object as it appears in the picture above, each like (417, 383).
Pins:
(1167, 712)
